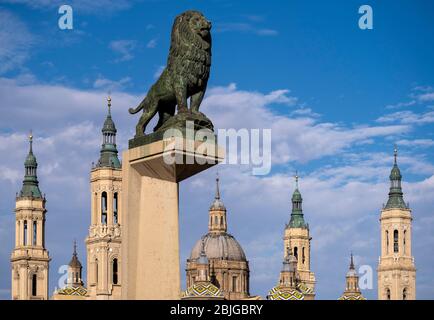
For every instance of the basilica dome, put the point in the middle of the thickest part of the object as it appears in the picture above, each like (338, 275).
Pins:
(221, 246)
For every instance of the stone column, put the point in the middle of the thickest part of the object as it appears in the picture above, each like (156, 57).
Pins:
(150, 243)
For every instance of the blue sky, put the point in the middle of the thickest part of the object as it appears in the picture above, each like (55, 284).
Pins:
(336, 98)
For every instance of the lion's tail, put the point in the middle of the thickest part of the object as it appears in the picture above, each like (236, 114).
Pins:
(133, 111)
(139, 107)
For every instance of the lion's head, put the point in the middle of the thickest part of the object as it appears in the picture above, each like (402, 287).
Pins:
(198, 23)
(193, 28)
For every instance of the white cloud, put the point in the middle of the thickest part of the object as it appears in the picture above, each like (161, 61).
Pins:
(244, 27)
(124, 48)
(67, 124)
(151, 44)
(408, 117)
(416, 142)
(301, 139)
(111, 85)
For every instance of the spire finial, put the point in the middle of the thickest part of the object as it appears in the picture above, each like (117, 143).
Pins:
(296, 179)
(75, 248)
(395, 153)
(352, 262)
(31, 139)
(109, 103)
(217, 193)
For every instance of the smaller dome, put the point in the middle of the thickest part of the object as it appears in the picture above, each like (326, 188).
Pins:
(282, 293)
(296, 196)
(109, 125)
(75, 263)
(202, 290)
(395, 174)
(352, 296)
(219, 246)
(351, 273)
(30, 160)
(217, 205)
(80, 291)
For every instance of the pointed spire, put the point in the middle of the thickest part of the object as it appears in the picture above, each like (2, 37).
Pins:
(396, 199)
(109, 152)
(351, 262)
(75, 263)
(203, 259)
(109, 104)
(297, 219)
(217, 203)
(296, 179)
(75, 248)
(30, 183)
(31, 141)
(217, 191)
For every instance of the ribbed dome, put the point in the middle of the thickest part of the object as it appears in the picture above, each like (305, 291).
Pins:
(395, 174)
(30, 160)
(296, 196)
(109, 125)
(219, 246)
(217, 205)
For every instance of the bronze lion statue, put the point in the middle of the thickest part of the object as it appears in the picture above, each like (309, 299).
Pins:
(186, 74)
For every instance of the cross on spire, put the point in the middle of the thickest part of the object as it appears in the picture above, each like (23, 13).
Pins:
(109, 103)
(31, 140)
(217, 192)
(352, 262)
(395, 153)
(296, 179)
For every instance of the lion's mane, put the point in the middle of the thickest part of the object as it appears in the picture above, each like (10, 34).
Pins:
(190, 54)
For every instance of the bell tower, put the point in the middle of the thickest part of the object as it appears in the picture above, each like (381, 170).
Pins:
(30, 259)
(396, 269)
(297, 238)
(104, 240)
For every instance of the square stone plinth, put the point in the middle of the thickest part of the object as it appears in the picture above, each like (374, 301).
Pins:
(150, 240)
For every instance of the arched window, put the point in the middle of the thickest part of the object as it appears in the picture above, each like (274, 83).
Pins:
(221, 221)
(216, 220)
(296, 252)
(404, 239)
(115, 271)
(96, 271)
(25, 232)
(35, 229)
(76, 277)
(234, 284)
(303, 258)
(115, 208)
(387, 241)
(388, 294)
(34, 285)
(104, 208)
(395, 241)
(404, 294)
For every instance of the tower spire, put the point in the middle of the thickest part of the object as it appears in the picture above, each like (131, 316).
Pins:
(217, 212)
(109, 152)
(217, 192)
(30, 183)
(297, 219)
(396, 199)
(351, 262)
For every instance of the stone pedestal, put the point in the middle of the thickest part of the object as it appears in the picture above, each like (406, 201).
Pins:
(150, 243)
